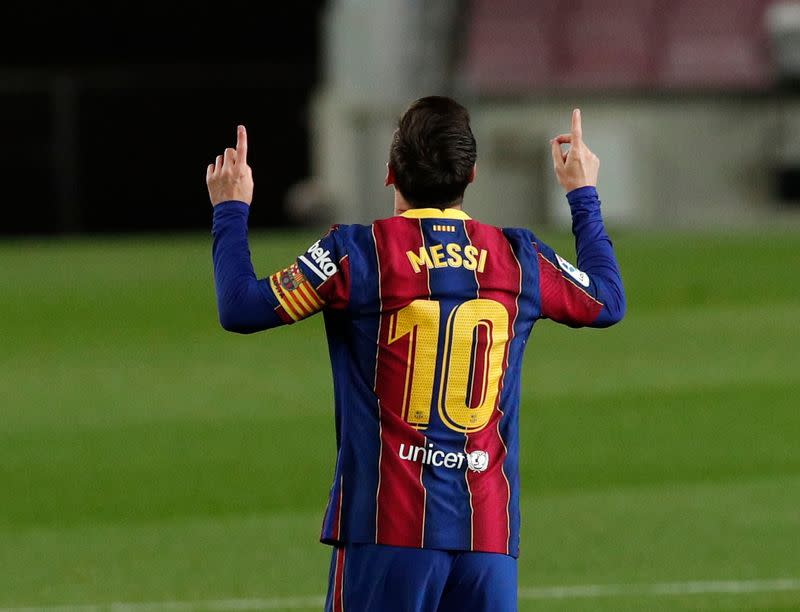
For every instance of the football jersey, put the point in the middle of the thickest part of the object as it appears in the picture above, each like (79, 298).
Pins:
(427, 316)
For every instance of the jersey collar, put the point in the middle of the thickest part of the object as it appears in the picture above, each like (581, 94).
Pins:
(435, 213)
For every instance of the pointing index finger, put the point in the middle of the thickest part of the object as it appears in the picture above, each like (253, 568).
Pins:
(577, 132)
(241, 145)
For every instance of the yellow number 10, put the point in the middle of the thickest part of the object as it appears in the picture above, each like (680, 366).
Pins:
(463, 368)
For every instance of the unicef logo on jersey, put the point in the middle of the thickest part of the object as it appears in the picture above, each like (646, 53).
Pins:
(478, 461)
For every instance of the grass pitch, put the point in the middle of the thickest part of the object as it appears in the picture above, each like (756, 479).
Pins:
(148, 456)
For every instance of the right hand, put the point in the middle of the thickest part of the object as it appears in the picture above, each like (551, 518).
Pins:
(230, 178)
(578, 167)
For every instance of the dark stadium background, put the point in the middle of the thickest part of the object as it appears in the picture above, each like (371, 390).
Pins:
(110, 113)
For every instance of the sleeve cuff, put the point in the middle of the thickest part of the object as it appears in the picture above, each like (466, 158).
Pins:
(231, 206)
(583, 199)
(582, 193)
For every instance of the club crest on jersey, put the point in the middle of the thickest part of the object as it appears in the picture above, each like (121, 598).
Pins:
(579, 276)
(320, 262)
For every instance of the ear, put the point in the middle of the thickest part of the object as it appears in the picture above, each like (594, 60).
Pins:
(389, 175)
(474, 173)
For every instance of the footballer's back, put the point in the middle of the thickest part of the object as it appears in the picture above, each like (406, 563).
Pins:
(433, 313)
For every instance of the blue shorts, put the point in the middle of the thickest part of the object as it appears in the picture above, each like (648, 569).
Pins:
(380, 578)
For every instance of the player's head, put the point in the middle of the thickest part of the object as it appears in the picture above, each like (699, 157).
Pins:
(432, 155)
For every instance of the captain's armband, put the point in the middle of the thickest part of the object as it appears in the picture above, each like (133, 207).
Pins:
(297, 298)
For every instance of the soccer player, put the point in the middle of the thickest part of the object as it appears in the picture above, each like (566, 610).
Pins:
(427, 315)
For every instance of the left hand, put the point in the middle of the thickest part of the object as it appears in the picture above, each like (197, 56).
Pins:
(230, 178)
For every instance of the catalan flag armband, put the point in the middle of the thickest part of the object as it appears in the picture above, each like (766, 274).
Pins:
(296, 297)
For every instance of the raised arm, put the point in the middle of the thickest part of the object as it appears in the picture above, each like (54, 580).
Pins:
(243, 303)
(592, 292)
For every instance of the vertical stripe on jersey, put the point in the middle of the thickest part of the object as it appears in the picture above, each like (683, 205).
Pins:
(448, 510)
(375, 378)
(491, 492)
(337, 521)
(401, 494)
(528, 313)
(351, 342)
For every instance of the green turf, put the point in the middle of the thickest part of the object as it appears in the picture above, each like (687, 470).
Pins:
(147, 455)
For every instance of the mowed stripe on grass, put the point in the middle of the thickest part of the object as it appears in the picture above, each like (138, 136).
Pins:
(584, 591)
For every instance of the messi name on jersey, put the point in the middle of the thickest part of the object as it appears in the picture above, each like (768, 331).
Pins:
(451, 254)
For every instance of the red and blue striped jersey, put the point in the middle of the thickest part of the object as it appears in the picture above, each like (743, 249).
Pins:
(427, 316)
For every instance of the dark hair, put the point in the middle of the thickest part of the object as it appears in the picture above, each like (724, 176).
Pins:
(433, 152)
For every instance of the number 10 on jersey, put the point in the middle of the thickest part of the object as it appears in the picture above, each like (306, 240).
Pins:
(471, 361)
